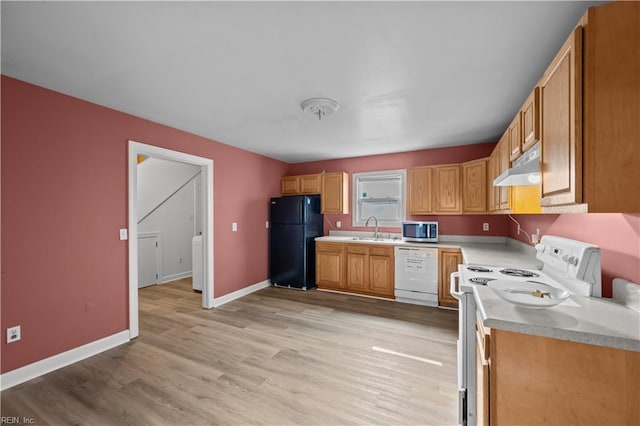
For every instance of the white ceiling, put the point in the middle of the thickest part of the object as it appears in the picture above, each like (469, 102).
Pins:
(407, 75)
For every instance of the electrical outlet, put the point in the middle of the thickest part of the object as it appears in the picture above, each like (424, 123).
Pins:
(13, 334)
(485, 226)
(338, 224)
(124, 234)
(266, 224)
(234, 227)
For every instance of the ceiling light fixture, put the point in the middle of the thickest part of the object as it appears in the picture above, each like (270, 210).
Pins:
(319, 107)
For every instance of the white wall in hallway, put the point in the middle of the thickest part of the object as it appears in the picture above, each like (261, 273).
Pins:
(176, 218)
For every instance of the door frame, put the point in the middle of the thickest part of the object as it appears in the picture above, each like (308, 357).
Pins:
(206, 165)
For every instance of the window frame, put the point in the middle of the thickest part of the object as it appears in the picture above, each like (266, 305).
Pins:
(358, 222)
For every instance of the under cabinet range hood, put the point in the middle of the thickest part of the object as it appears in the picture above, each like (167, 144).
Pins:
(525, 170)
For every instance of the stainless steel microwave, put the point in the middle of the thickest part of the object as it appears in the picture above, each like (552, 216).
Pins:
(421, 232)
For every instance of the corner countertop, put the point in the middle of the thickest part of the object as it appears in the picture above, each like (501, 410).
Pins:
(476, 250)
(590, 320)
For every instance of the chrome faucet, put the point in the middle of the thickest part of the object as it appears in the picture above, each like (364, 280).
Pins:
(375, 233)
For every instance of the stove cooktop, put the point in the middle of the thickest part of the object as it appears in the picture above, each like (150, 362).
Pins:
(482, 275)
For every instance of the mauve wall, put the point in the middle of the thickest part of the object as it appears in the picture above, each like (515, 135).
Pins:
(449, 225)
(64, 197)
(618, 236)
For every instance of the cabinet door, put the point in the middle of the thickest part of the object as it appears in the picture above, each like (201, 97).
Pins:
(330, 265)
(419, 190)
(290, 185)
(335, 193)
(561, 123)
(311, 184)
(448, 261)
(492, 168)
(530, 114)
(357, 267)
(503, 158)
(515, 138)
(474, 186)
(381, 271)
(446, 186)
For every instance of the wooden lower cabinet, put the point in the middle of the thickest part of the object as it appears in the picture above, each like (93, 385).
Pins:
(538, 380)
(448, 261)
(370, 270)
(330, 265)
(381, 271)
(356, 268)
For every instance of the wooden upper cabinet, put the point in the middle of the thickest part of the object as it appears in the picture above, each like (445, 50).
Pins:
(290, 185)
(335, 193)
(530, 120)
(491, 175)
(311, 184)
(502, 192)
(419, 190)
(515, 138)
(611, 116)
(301, 185)
(447, 189)
(561, 133)
(474, 186)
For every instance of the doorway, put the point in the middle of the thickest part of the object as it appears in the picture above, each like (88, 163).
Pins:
(139, 149)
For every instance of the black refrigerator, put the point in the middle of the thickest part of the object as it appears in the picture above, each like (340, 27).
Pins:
(295, 222)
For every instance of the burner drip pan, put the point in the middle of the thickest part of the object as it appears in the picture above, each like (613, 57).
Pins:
(519, 273)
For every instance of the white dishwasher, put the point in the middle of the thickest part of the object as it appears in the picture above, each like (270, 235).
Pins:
(416, 275)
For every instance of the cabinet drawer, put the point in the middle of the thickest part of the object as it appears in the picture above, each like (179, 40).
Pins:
(357, 248)
(380, 251)
(329, 247)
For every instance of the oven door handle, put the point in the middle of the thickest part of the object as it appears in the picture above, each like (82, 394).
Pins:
(455, 277)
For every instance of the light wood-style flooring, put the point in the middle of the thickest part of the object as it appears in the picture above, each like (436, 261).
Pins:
(276, 357)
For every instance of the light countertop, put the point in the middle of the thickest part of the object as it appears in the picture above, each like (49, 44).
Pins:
(476, 250)
(590, 320)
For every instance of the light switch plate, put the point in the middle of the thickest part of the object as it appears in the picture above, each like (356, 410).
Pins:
(234, 227)
(124, 234)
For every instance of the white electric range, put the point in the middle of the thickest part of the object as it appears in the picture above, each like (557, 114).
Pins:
(567, 264)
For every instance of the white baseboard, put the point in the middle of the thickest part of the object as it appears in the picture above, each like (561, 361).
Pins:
(47, 365)
(168, 278)
(218, 301)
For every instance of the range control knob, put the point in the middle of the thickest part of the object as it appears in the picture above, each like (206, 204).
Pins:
(572, 260)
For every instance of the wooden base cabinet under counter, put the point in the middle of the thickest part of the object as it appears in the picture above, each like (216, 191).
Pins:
(330, 265)
(370, 270)
(448, 261)
(355, 268)
(538, 380)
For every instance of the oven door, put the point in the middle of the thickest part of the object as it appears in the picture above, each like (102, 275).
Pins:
(466, 354)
